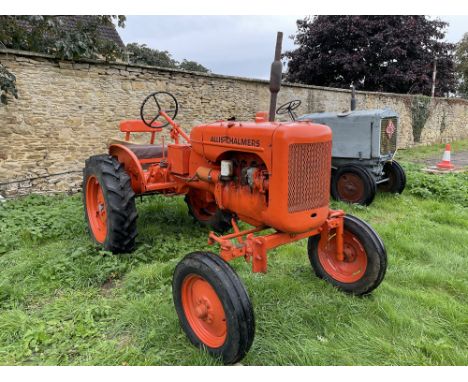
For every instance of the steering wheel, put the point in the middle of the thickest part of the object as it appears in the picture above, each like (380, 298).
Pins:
(154, 104)
(288, 108)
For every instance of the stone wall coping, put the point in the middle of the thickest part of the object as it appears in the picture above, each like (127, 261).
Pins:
(125, 65)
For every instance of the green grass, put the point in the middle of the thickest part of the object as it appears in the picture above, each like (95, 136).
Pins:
(448, 187)
(63, 301)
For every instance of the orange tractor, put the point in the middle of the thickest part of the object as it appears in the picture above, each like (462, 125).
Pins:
(273, 176)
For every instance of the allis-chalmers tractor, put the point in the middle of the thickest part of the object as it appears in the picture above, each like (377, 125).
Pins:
(273, 176)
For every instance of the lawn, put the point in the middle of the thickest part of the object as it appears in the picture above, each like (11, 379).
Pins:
(65, 302)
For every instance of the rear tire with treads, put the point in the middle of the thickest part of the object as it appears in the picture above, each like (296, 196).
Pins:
(208, 214)
(116, 229)
(353, 184)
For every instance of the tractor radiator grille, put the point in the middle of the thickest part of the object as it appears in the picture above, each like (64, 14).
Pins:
(388, 135)
(309, 175)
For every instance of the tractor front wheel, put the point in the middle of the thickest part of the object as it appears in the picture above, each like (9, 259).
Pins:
(109, 203)
(213, 306)
(365, 259)
(396, 178)
(353, 184)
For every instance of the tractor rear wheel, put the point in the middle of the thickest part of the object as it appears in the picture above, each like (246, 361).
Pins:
(365, 258)
(109, 203)
(396, 178)
(213, 306)
(353, 184)
(203, 208)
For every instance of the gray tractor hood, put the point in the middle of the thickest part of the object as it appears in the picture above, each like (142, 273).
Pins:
(360, 134)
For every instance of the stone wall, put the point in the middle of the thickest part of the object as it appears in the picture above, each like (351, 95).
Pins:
(67, 111)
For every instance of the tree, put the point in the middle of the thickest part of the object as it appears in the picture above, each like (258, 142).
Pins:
(47, 34)
(461, 57)
(378, 53)
(142, 54)
(193, 66)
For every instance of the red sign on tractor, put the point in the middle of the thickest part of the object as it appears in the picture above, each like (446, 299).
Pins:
(390, 130)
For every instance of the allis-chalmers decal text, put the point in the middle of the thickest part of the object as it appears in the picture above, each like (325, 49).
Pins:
(236, 141)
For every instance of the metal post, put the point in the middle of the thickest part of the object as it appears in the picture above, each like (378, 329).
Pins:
(434, 73)
(275, 76)
(353, 97)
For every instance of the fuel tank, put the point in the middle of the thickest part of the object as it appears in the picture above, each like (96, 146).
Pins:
(297, 156)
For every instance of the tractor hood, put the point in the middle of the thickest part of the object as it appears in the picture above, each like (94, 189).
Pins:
(215, 139)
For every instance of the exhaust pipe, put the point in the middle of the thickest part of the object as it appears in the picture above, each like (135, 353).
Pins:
(353, 98)
(275, 76)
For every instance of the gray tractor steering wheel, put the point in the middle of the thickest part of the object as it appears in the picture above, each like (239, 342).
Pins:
(288, 108)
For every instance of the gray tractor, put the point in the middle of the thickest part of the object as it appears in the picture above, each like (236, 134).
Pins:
(364, 144)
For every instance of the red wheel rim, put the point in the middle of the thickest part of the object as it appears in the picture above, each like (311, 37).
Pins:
(203, 207)
(204, 311)
(96, 209)
(350, 187)
(354, 265)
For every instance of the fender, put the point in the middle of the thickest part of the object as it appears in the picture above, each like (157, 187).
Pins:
(132, 166)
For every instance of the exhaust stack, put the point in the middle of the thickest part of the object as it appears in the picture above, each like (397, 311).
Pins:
(353, 98)
(275, 76)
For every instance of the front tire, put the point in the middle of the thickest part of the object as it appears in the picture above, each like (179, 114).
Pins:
(213, 306)
(109, 204)
(365, 263)
(353, 184)
(396, 178)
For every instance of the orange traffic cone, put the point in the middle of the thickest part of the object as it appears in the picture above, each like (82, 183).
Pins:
(445, 164)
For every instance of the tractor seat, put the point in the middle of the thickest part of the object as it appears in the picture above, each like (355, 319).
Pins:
(142, 151)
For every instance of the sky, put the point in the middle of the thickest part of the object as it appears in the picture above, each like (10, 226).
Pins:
(231, 45)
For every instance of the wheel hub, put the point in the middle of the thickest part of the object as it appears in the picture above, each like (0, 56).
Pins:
(354, 263)
(349, 253)
(350, 187)
(204, 311)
